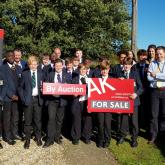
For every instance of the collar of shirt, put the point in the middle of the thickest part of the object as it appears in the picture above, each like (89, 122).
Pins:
(105, 76)
(161, 62)
(59, 74)
(127, 72)
(84, 76)
(10, 65)
(52, 65)
(19, 64)
(75, 67)
(31, 71)
(69, 71)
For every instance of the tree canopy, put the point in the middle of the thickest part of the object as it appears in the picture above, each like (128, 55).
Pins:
(98, 27)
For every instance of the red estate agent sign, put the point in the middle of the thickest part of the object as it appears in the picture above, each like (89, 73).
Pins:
(2, 33)
(110, 95)
(63, 89)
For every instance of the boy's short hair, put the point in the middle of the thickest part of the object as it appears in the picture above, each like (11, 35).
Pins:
(105, 65)
(68, 61)
(128, 61)
(75, 59)
(141, 52)
(58, 60)
(31, 59)
(83, 66)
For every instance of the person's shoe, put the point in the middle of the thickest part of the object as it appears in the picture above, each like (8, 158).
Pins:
(47, 144)
(87, 141)
(152, 141)
(39, 142)
(9, 141)
(17, 137)
(134, 143)
(1, 146)
(27, 144)
(99, 145)
(106, 145)
(75, 142)
(58, 141)
(120, 141)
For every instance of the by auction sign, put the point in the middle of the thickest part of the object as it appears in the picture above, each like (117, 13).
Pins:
(63, 89)
(110, 95)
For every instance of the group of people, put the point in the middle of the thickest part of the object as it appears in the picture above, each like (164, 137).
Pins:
(25, 112)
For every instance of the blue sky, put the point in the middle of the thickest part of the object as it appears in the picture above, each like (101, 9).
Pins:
(151, 23)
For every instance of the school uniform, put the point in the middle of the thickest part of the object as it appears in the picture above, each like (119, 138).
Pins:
(56, 108)
(131, 119)
(104, 126)
(81, 119)
(31, 97)
(144, 107)
(12, 75)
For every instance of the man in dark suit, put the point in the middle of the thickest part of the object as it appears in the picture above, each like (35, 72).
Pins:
(18, 61)
(142, 69)
(31, 96)
(12, 74)
(56, 105)
(132, 119)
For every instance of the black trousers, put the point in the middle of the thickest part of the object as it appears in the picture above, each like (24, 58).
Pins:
(130, 121)
(157, 116)
(10, 119)
(55, 121)
(1, 127)
(32, 114)
(104, 127)
(81, 120)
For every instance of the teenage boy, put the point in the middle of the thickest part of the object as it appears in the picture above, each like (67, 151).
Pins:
(131, 119)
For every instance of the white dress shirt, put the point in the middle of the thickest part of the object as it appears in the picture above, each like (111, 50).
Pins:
(55, 78)
(83, 98)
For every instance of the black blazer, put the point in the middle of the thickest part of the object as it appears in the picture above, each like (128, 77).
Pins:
(25, 88)
(50, 79)
(143, 79)
(3, 86)
(12, 82)
(138, 88)
(115, 70)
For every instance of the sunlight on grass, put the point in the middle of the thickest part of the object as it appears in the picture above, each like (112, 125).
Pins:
(144, 154)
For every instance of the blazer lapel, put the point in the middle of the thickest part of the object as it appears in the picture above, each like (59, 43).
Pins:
(29, 77)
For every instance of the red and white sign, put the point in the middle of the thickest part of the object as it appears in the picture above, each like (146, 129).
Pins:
(63, 89)
(110, 95)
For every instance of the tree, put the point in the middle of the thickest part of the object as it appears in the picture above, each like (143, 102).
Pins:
(98, 27)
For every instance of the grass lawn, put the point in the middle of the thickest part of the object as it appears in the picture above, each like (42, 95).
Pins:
(144, 154)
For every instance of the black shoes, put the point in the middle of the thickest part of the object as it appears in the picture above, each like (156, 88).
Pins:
(134, 143)
(9, 141)
(17, 137)
(106, 144)
(58, 141)
(152, 141)
(47, 144)
(1, 146)
(75, 142)
(39, 142)
(87, 141)
(27, 144)
(120, 141)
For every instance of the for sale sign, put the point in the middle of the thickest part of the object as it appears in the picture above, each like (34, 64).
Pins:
(63, 89)
(110, 95)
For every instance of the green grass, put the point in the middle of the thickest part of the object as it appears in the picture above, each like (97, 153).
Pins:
(144, 154)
